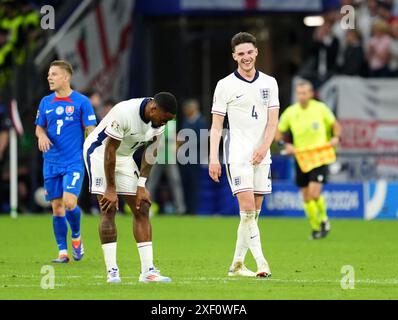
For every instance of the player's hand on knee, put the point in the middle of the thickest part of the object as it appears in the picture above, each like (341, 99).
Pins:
(109, 201)
(215, 171)
(142, 196)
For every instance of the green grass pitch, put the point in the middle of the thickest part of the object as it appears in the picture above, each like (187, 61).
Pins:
(196, 252)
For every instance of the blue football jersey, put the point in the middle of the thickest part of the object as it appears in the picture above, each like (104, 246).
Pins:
(65, 120)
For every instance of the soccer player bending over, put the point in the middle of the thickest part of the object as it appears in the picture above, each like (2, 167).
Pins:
(62, 120)
(310, 122)
(119, 155)
(249, 99)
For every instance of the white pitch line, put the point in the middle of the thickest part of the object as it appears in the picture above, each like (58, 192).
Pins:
(27, 286)
(191, 280)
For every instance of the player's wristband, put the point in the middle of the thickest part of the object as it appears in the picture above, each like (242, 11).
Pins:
(141, 182)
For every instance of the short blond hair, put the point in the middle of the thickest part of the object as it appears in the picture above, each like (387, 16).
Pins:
(63, 65)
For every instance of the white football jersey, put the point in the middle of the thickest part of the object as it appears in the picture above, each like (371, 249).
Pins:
(246, 104)
(124, 122)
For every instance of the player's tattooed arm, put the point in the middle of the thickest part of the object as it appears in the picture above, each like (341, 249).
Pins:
(43, 141)
(269, 135)
(88, 130)
(109, 201)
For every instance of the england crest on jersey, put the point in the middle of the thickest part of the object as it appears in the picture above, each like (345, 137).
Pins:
(69, 110)
(237, 181)
(265, 95)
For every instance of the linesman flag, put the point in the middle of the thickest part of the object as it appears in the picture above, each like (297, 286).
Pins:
(310, 158)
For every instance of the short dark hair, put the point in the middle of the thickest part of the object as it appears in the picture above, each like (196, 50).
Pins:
(63, 65)
(166, 101)
(243, 37)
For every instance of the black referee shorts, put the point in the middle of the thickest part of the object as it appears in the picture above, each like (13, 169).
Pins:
(319, 175)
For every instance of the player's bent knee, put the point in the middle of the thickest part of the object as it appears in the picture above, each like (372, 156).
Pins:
(58, 207)
(70, 202)
(143, 212)
(70, 205)
(58, 211)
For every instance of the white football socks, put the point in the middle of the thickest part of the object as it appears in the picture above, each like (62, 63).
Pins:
(109, 250)
(249, 238)
(241, 243)
(146, 255)
(254, 241)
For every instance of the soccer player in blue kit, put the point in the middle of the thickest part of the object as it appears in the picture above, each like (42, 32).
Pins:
(63, 119)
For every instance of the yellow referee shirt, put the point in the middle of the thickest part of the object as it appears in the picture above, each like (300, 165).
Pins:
(310, 126)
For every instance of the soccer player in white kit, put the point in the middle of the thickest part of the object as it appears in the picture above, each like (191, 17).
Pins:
(126, 137)
(249, 99)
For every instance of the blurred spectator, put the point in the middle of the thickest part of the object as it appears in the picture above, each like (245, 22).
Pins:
(108, 105)
(22, 22)
(334, 19)
(394, 49)
(353, 55)
(326, 49)
(379, 51)
(193, 120)
(366, 15)
(96, 102)
(323, 62)
(384, 11)
(166, 163)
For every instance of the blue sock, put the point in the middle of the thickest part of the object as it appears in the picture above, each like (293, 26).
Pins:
(73, 217)
(60, 231)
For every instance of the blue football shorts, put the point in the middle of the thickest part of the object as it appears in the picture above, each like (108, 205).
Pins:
(62, 178)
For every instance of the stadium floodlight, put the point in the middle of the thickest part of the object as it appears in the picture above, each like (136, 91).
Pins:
(314, 21)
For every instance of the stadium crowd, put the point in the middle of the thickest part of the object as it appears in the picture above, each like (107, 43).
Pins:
(370, 49)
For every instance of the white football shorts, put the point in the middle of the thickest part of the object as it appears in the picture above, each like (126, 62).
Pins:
(126, 175)
(242, 177)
